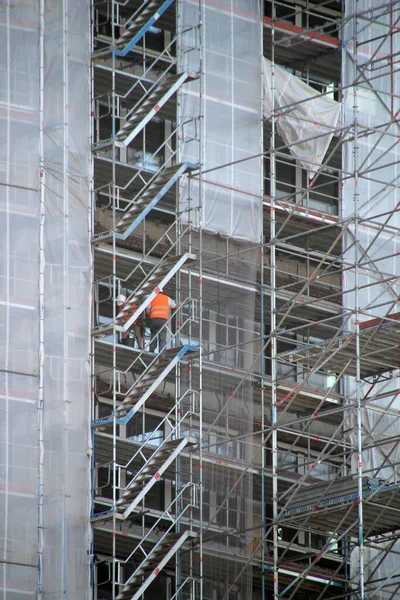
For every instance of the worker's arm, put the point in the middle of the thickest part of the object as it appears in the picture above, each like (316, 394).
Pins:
(172, 303)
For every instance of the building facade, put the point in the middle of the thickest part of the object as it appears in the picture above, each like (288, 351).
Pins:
(241, 157)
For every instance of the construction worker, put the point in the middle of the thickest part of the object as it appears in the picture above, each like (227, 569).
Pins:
(137, 326)
(158, 314)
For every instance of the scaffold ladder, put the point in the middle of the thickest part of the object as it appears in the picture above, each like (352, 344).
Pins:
(137, 489)
(149, 197)
(138, 117)
(153, 564)
(146, 385)
(140, 23)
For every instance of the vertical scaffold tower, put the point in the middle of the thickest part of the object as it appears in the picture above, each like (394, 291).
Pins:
(333, 267)
(145, 481)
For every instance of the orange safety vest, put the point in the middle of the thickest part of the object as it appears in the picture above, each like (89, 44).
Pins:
(129, 308)
(159, 307)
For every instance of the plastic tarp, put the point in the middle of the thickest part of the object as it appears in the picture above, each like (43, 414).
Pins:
(19, 299)
(305, 120)
(231, 129)
(67, 281)
(64, 570)
(374, 244)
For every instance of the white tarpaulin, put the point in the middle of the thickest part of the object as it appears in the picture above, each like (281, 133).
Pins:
(306, 122)
(231, 191)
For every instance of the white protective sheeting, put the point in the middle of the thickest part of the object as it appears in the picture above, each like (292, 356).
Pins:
(229, 117)
(65, 567)
(232, 191)
(305, 121)
(19, 299)
(374, 197)
(67, 283)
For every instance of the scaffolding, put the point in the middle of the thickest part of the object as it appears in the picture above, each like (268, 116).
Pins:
(145, 481)
(256, 456)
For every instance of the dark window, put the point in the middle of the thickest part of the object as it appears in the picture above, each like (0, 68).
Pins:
(323, 192)
(285, 167)
(283, 11)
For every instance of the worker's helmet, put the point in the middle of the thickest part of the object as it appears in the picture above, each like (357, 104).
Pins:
(121, 299)
(160, 290)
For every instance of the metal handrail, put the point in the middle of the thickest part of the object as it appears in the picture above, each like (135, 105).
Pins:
(124, 3)
(143, 168)
(155, 61)
(180, 588)
(151, 251)
(155, 359)
(168, 438)
(139, 174)
(139, 357)
(148, 91)
(165, 514)
(151, 66)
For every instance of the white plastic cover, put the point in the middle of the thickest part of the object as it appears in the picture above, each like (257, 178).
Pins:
(65, 570)
(305, 121)
(231, 123)
(19, 299)
(66, 510)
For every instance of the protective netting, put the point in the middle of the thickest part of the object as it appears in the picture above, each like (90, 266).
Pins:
(231, 128)
(372, 101)
(60, 43)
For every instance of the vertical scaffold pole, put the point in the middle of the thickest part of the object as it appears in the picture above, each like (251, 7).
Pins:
(201, 38)
(262, 354)
(42, 264)
(92, 306)
(114, 293)
(65, 532)
(273, 340)
(357, 312)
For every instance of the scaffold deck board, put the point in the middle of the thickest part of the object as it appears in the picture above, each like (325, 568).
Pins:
(315, 579)
(333, 507)
(379, 350)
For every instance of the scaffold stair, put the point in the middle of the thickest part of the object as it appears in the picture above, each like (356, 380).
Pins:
(150, 474)
(149, 288)
(141, 22)
(145, 386)
(156, 280)
(151, 103)
(152, 378)
(149, 198)
(153, 564)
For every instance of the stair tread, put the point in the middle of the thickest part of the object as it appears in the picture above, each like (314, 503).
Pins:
(142, 19)
(149, 99)
(149, 192)
(152, 560)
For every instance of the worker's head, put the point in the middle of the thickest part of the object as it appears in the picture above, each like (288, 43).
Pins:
(160, 290)
(121, 299)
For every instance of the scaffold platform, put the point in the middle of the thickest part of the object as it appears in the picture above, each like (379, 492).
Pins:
(379, 350)
(334, 506)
